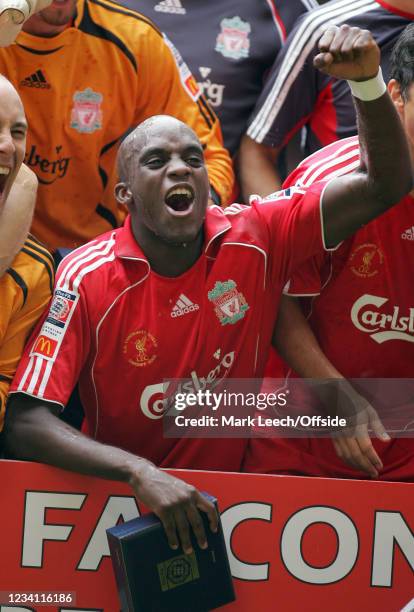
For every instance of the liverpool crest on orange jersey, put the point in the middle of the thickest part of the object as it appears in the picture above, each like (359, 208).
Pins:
(86, 112)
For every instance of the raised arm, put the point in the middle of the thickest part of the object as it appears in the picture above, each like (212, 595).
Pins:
(352, 200)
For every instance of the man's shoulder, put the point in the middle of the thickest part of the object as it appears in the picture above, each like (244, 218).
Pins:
(241, 214)
(236, 224)
(123, 22)
(92, 260)
(309, 26)
(338, 158)
(32, 265)
(251, 223)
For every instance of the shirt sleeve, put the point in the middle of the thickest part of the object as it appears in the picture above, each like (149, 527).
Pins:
(307, 279)
(294, 91)
(294, 221)
(287, 13)
(56, 352)
(19, 327)
(339, 158)
(167, 87)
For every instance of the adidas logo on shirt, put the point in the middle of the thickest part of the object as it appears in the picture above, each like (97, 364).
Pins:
(408, 234)
(37, 80)
(170, 6)
(183, 306)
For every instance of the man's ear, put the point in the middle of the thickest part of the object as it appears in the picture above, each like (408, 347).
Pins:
(394, 89)
(123, 194)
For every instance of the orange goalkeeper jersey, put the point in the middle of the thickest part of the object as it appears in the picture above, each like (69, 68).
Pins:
(25, 290)
(82, 90)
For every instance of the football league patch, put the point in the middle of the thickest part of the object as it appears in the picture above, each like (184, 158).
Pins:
(54, 328)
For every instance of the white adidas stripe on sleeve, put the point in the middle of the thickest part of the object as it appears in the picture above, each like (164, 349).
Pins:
(300, 46)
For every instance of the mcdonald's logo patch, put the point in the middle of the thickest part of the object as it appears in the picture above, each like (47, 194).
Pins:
(192, 87)
(44, 347)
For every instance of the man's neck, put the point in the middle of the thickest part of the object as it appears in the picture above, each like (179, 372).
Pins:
(37, 27)
(406, 6)
(169, 259)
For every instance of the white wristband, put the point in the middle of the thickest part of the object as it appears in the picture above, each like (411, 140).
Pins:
(369, 90)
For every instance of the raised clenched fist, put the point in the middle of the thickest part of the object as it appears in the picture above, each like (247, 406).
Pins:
(348, 53)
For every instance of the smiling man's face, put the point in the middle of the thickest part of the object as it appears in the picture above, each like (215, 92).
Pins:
(164, 171)
(13, 129)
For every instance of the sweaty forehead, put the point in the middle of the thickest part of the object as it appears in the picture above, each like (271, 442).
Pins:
(161, 132)
(166, 137)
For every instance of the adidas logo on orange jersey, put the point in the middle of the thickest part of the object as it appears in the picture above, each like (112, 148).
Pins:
(183, 306)
(170, 6)
(408, 234)
(37, 80)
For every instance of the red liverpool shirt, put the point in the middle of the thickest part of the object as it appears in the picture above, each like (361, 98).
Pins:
(363, 298)
(360, 306)
(121, 329)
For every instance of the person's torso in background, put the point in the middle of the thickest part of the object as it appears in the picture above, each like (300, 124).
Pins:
(363, 310)
(228, 45)
(386, 27)
(77, 112)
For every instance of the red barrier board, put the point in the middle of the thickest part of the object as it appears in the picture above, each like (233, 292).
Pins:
(295, 543)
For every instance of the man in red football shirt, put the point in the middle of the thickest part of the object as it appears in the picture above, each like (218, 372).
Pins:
(149, 301)
(360, 321)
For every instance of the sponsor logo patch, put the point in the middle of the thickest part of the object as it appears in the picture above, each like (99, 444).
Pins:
(366, 260)
(183, 306)
(45, 347)
(37, 80)
(86, 116)
(170, 6)
(382, 324)
(229, 304)
(408, 234)
(48, 169)
(213, 91)
(60, 308)
(55, 326)
(155, 398)
(140, 348)
(204, 71)
(233, 40)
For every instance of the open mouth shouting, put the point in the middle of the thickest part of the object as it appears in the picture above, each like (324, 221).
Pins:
(179, 200)
(4, 175)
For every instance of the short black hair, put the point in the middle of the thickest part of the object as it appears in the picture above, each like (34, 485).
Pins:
(402, 61)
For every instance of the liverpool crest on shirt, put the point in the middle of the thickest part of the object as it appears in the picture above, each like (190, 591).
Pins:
(86, 115)
(233, 40)
(229, 304)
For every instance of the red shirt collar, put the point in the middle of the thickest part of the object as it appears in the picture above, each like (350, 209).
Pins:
(215, 225)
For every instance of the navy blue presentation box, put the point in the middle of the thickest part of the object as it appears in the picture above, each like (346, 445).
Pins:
(151, 577)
